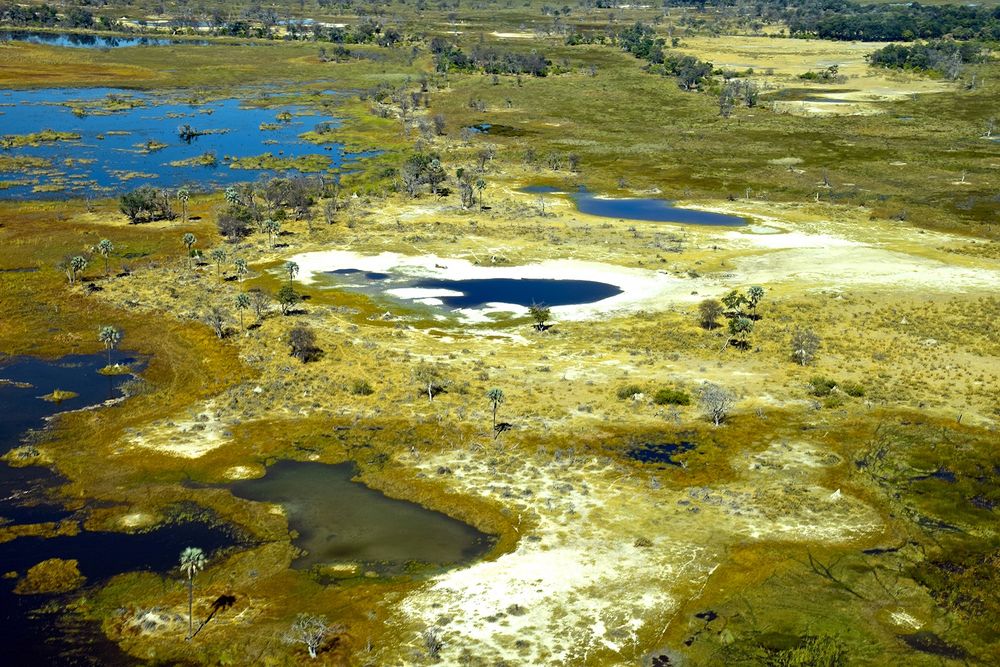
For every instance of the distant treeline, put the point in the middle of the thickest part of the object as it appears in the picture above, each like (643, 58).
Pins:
(488, 59)
(849, 20)
(46, 16)
(945, 56)
(641, 41)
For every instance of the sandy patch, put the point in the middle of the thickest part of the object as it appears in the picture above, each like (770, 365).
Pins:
(187, 438)
(606, 557)
(513, 35)
(852, 265)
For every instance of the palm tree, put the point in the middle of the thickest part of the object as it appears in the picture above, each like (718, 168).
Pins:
(292, 269)
(480, 185)
(754, 296)
(272, 228)
(218, 256)
(496, 398)
(183, 195)
(75, 265)
(110, 336)
(192, 561)
(241, 267)
(189, 240)
(104, 246)
(242, 303)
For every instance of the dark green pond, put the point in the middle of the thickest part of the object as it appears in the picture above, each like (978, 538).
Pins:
(339, 520)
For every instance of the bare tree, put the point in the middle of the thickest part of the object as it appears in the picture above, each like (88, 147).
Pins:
(709, 310)
(217, 320)
(805, 343)
(716, 401)
(429, 377)
(310, 630)
(302, 341)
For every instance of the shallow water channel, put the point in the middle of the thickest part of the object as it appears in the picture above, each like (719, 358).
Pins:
(79, 40)
(115, 140)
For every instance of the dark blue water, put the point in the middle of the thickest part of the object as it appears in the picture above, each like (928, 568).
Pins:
(370, 275)
(652, 210)
(635, 208)
(84, 41)
(106, 161)
(340, 520)
(520, 291)
(31, 637)
(541, 189)
(23, 490)
(660, 452)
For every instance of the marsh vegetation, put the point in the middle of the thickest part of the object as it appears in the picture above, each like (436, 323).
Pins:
(400, 334)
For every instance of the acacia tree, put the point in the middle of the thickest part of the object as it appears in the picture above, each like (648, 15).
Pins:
(287, 297)
(110, 336)
(192, 561)
(189, 240)
(709, 310)
(496, 398)
(429, 377)
(310, 630)
(716, 401)
(104, 246)
(734, 301)
(540, 313)
(740, 328)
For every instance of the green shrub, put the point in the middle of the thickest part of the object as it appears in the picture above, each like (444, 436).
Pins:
(670, 396)
(628, 391)
(361, 388)
(821, 386)
(853, 389)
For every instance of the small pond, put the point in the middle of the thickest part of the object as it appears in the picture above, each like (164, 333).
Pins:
(87, 41)
(523, 292)
(496, 294)
(498, 130)
(340, 520)
(659, 453)
(636, 208)
(112, 140)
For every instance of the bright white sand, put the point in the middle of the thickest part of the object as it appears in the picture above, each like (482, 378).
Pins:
(640, 288)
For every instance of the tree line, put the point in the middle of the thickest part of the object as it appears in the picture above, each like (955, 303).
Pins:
(487, 59)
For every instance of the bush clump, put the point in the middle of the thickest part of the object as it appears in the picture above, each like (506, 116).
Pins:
(361, 388)
(628, 391)
(822, 386)
(671, 396)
